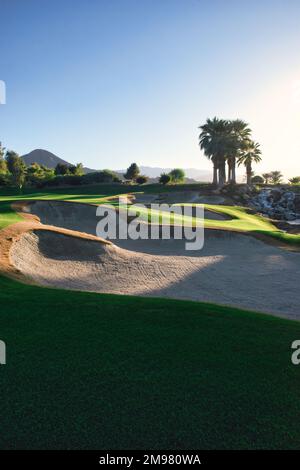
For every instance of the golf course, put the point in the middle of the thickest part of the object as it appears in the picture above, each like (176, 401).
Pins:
(137, 343)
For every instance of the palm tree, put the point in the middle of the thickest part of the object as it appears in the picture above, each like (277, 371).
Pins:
(295, 180)
(251, 154)
(213, 140)
(276, 177)
(240, 133)
(266, 177)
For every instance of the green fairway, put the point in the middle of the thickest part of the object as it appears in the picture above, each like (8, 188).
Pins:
(101, 371)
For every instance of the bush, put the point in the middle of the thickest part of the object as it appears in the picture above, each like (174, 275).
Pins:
(62, 180)
(104, 176)
(177, 175)
(142, 179)
(164, 178)
(257, 179)
(5, 179)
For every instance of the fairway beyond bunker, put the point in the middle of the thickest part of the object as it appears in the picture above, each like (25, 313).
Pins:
(232, 268)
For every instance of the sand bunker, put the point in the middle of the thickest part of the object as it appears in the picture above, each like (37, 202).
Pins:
(77, 216)
(232, 269)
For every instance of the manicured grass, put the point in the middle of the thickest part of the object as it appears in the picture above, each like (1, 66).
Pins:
(7, 215)
(101, 371)
(242, 221)
(89, 194)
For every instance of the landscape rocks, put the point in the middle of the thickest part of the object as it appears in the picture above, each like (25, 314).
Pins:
(278, 203)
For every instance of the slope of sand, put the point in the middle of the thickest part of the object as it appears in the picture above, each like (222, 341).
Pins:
(232, 269)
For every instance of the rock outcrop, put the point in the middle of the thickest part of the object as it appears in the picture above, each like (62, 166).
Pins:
(278, 203)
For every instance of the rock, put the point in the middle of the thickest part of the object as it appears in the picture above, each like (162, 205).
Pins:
(276, 195)
(297, 203)
(290, 216)
(278, 203)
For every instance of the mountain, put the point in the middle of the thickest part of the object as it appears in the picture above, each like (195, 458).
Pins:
(48, 159)
(43, 157)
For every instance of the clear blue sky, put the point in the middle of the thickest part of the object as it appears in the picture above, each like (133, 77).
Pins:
(108, 82)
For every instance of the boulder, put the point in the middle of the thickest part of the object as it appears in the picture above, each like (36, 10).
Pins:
(278, 203)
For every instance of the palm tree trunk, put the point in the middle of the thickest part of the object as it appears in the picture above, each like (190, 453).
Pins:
(215, 179)
(249, 173)
(222, 173)
(233, 179)
(229, 171)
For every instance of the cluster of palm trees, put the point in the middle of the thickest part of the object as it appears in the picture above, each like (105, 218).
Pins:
(228, 144)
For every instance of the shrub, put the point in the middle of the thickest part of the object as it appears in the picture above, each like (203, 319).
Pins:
(104, 176)
(142, 179)
(177, 175)
(257, 179)
(164, 178)
(5, 179)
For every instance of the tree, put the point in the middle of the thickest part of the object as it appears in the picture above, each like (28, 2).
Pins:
(142, 179)
(267, 177)
(3, 166)
(177, 175)
(76, 170)
(239, 133)
(62, 169)
(16, 167)
(108, 176)
(276, 177)
(295, 180)
(34, 173)
(164, 178)
(257, 179)
(224, 141)
(132, 172)
(251, 153)
(37, 174)
(213, 141)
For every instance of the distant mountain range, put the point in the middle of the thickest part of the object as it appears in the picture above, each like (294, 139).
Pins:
(48, 159)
